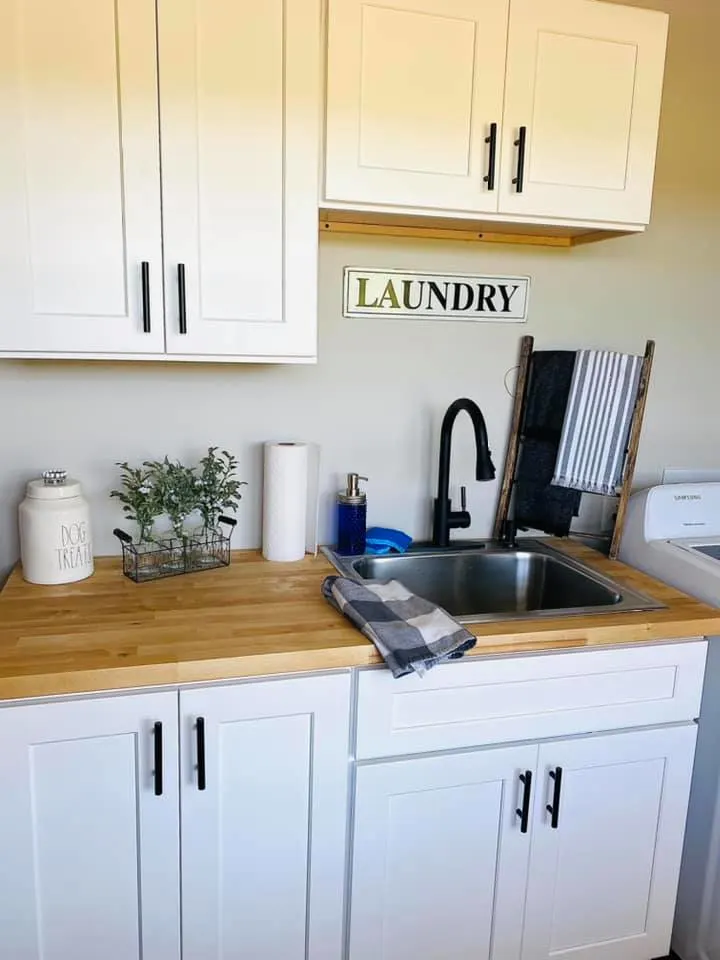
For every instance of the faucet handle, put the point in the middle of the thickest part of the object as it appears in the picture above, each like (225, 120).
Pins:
(463, 498)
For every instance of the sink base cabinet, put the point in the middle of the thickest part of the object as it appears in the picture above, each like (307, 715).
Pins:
(443, 871)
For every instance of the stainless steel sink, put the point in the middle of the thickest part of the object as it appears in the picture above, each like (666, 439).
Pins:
(486, 582)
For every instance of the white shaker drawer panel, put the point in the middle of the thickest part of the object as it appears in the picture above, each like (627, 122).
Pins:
(479, 702)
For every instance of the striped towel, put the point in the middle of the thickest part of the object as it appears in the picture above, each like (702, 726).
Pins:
(591, 455)
(410, 633)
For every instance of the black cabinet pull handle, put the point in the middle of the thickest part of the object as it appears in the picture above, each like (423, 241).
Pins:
(145, 279)
(554, 808)
(520, 143)
(524, 811)
(158, 745)
(182, 298)
(200, 731)
(489, 178)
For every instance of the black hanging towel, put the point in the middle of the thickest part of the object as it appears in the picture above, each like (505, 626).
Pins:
(539, 504)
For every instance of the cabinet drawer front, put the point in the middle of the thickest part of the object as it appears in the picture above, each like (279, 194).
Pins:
(498, 701)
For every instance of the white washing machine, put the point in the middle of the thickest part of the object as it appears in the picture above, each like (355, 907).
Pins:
(672, 532)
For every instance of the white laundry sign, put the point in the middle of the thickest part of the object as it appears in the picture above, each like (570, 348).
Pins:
(430, 296)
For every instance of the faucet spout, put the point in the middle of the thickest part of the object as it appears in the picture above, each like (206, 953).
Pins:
(445, 518)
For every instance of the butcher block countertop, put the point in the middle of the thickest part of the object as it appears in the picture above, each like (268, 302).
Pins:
(254, 618)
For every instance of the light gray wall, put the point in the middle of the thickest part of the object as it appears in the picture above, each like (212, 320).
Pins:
(376, 398)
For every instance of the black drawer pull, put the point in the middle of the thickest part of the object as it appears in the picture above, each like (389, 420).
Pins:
(554, 808)
(145, 278)
(182, 298)
(524, 811)
(200, 732)
(158, 752)
(491, 140)
(520, 143)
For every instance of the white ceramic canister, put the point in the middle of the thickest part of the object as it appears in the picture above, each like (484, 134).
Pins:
(55, 533)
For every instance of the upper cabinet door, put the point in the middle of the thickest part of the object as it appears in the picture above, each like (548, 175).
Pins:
(240, 94)
(89, 830)
(584, 82)
(603, 880)
(79, 178)
(413, 89)
(264, 776)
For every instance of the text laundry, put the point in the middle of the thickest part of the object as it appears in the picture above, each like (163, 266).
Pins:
(427, 295)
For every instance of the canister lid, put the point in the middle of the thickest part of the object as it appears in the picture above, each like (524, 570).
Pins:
(54, 485)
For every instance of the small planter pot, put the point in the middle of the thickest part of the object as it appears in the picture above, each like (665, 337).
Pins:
(172, 556)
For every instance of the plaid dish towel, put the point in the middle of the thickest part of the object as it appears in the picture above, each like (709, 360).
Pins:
(410, 633)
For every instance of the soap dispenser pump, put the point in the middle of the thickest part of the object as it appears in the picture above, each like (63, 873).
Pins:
(352, 514)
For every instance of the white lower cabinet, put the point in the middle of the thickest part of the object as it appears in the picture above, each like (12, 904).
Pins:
(216, 823)
(443, 871)
(89, 851)
(603, 881)
(439, 857)
(91, 828)
(264, 799)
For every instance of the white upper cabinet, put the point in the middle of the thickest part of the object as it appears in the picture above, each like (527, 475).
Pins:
(414, 88)
(553, 103)
(99, 258)
(89, 821)
(606, 857)
(79, 177)
(264, 775)
(584, 85)
(239, 105)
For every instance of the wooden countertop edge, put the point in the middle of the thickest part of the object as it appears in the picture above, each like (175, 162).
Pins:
(26, 676)
(228, 669)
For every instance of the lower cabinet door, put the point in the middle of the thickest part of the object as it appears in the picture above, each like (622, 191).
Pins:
(608, 832)
(439, 857)
(89, 830)
(264, 774)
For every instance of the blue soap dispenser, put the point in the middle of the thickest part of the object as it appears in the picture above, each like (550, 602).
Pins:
(352, 515)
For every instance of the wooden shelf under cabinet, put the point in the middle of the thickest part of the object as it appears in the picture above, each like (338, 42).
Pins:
(441, 228)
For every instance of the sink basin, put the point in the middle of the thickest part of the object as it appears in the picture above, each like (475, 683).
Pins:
(489, 582)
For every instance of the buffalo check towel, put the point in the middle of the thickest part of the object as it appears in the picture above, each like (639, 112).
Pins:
(591, 455)
(410, 633)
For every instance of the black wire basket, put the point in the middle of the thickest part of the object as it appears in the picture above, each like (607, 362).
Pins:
(171, 556)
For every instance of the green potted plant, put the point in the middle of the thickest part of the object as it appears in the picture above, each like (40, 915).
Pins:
(218, 488)
(178, 490)
(169, 488)
(141, 498)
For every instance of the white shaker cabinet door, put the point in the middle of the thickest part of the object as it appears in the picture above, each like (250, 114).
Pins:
(440, 858)
(584, 86)
(413, 90)
(264, 775)
(603, 881)
(79, 178)
(89, 864)
(239, 104)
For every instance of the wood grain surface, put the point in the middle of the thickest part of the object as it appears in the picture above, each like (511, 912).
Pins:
(254, 618)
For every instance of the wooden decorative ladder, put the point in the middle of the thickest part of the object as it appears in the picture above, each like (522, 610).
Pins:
(515, 441)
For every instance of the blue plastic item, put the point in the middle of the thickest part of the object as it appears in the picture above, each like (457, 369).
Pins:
(382, 540)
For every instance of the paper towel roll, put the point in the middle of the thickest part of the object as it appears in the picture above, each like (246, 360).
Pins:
(285, 499)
